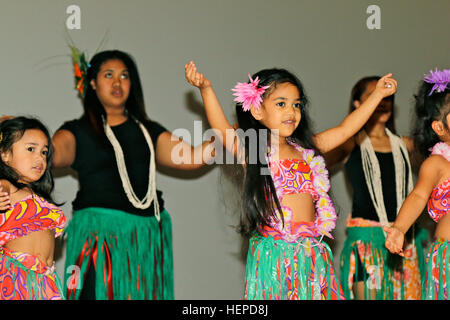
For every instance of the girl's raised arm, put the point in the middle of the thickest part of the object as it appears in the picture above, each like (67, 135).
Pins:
(413, 205)
(333, 137)
(214, 112)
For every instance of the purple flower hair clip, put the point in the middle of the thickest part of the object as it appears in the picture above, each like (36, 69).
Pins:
(440, 79)
(249, 94)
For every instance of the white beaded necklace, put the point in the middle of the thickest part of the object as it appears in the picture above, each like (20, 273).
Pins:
(372, 173)
(121, 166)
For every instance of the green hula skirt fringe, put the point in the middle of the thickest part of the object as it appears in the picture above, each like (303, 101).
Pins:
(381, 273)
(437, 281)
(290, 271)
(132, 255)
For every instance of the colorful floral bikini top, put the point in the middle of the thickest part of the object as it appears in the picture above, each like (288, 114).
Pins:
(292, 176)
(306, 175)
(439, 201)
(30, 214)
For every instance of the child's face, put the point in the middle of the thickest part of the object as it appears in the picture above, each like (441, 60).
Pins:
(112, 84)
(281, 109)
(28, 156)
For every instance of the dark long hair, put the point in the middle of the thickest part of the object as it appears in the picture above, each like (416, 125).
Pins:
(260, 201)
(135, 105)
(428, 109)
(11, 131)
(358, 90)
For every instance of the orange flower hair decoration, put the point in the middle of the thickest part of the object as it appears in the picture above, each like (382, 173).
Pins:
(80, 68)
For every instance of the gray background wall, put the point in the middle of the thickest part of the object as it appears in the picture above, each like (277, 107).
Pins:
(326, 43)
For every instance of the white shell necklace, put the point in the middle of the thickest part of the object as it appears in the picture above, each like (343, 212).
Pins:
(372, 172)
(121, 166)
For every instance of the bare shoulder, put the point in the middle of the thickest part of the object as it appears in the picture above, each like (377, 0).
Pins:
(64, 144)
(64, 139)
(433, 162)
(409, 143)
(63, 135)
(434, 167)
(436, 159)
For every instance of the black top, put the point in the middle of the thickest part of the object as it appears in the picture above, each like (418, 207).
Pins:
(95, 162)
(362, 203)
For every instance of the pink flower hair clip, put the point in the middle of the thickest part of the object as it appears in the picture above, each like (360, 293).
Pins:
(440, 79)
(249, 94)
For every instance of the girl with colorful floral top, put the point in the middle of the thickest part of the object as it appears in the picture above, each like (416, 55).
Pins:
(31, 222)
(286, 207)
(378, 169)
(431, 136)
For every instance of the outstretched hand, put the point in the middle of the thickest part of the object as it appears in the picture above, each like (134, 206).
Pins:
(394, 240)
(5, 202)
(387, 85)
(194, 77)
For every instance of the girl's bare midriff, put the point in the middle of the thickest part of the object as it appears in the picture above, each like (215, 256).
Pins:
(39, 243)
(302, 206)
(443, 228)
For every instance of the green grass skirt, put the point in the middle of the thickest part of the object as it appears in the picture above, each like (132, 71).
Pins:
(367, 245)
(132, 255)
(278, 270)
(437, 281)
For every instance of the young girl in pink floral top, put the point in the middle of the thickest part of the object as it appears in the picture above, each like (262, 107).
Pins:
(287, 210)
(432, 139)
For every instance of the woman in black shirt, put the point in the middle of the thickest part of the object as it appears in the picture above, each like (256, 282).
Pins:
(119, 241)
(378, 168)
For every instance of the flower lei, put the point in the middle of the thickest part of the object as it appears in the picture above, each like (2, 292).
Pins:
(441, 148)
(439, 78)
(326, 215)
(249, 94)
(80, 68)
